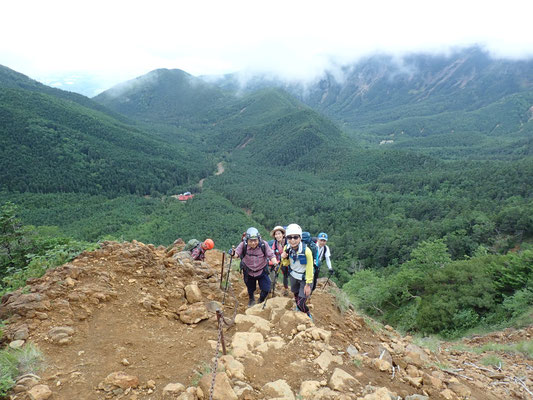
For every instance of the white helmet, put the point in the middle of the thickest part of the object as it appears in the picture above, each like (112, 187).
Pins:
(252, 233)
(293, 229)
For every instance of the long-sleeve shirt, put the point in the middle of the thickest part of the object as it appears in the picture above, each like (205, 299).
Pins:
(299, 270)
(325, 253)
(277, 248)
(254, 259)
(198, 253)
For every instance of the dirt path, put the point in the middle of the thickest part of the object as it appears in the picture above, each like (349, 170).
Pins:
(130, 308)
(220, 170)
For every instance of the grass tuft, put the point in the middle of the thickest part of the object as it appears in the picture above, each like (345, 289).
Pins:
(14, 363)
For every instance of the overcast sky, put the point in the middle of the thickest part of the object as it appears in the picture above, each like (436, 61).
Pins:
(115, 40)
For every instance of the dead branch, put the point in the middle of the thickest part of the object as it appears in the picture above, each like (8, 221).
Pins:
(521, 383)
(459, 375)
(478, 367)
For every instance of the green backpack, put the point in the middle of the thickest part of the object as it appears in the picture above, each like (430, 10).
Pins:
(191, 244)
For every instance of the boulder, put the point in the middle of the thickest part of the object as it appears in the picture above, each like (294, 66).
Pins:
(278, 389)
(173, 389)
(258, 324)
(326, 358)
(222, 389)
(381, 393)
(291, 319)
(194, 314)
(39, 392)
(193, 294)
(234, 368)
(274, 343)
(342, 381)
(381, 365)
(61, 334)
(243, 342)
(22, 333)
(309, 388)
(122, 380)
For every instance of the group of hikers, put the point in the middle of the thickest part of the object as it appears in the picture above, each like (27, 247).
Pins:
(292, 251)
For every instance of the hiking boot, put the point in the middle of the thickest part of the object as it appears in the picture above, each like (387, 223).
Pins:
(310, 316)
(251, 303)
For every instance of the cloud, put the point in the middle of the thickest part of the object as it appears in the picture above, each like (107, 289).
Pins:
(120, 40)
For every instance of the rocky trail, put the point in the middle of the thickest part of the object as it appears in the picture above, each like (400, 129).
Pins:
(131, 321)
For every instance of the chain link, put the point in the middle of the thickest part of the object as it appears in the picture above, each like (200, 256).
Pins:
(232, 321)
(217, 354)
(217, 351)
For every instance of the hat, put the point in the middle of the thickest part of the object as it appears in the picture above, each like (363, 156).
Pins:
(252, 233)
(277, 228)
(323, 236)
(294, 229)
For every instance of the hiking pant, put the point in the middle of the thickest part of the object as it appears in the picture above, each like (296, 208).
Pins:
(251, 283)
(315, 277)
(297, 289)
(272, 276)
(285, 272)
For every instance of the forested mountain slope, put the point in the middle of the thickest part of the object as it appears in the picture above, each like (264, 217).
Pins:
(134, 321)
(383, 89)
(15, 80)
(462, 104)
(282, 162)
(53, 145)
(163, 96)
(271, 118)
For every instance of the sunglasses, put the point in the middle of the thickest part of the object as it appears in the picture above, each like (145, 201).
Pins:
(293, 237)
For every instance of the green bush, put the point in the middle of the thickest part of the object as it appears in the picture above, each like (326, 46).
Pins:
(521, 300)
(13, 363)
(62, 252)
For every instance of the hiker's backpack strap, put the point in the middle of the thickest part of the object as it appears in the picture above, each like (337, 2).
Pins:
(245, 247)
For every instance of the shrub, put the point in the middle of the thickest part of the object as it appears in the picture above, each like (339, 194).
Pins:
(55, 256)
(13, 363)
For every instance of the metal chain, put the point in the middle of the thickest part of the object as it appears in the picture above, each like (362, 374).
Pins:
(217, 353)
(232, 320)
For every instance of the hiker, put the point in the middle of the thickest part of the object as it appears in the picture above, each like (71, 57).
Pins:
(299, 258)
(323, 253)
(311, 244)
(255, 253)
(277, 245)
(198, 251)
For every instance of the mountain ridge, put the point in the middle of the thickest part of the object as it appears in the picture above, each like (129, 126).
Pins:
(380, 98)
(77, 315)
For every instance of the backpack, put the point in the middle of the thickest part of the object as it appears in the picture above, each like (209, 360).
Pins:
(245, 247)
(301, 256)
(306, 239)
(242, 265)
(274, 246)
(192, 244)
(320, 259)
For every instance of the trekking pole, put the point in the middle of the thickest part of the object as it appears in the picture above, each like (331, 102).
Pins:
(276, 268)
(329, 276)
(227, 276)
(222, 269)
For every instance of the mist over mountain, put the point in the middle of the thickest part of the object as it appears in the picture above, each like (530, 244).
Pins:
(162, 96)
(15, 80)
(432, 102)
(396, 161)
(57, 141)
